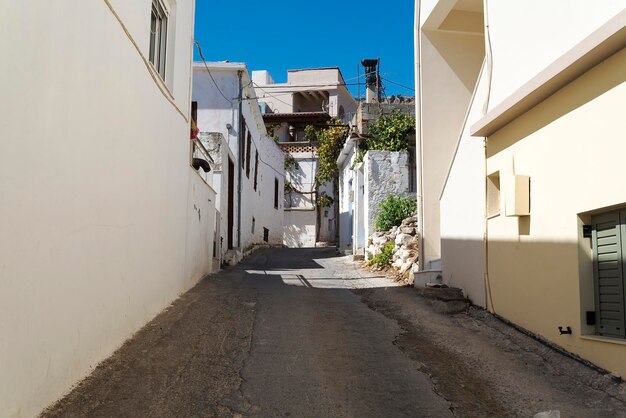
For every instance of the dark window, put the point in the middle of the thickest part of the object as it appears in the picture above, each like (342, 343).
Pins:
(266, 234)
(244, 129)
(256, 168)
(194, 111)
(276, 193)
(248, 154)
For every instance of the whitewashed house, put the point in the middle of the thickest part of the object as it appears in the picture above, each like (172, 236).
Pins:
(249, 173)
(309, 97)
(103, 221)
(366, 179)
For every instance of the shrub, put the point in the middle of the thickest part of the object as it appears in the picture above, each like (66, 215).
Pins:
(393, 211)
(385, 256)
(391, 132)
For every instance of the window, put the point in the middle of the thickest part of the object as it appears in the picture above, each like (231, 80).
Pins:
(266, 234)
(275, 193)
(158, 37)
(248, 154)
(256, 168)
(244, 129)
(493, 194)
(608, 238)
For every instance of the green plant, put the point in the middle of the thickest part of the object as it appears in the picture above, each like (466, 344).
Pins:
(310, 134)
(393, 211)
(385, 257)
(331, 139)
(391, 132)
(324, 201)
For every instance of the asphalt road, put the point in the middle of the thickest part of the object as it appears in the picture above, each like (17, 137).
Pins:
(281, 334)
(305, 333)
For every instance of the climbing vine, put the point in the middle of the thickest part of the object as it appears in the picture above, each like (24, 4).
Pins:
(331, 139)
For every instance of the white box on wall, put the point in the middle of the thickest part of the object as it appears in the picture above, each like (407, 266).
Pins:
(518, 196)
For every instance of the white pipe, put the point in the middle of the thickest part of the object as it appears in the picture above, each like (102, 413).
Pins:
(418, 136)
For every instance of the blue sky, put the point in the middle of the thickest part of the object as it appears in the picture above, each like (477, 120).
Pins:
(281, 35)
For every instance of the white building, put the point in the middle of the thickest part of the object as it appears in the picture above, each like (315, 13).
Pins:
(103, 222)
(249, 172)
(309, 97)
(365, 182)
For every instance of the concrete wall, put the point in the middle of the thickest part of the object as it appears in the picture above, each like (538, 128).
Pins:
(386, 173)
(450, 63)
(462, 210)
(285, 97)
(215, 114)
(557, 25)
(301, 214)
(452, 166)
(102, 221)
(542, 261)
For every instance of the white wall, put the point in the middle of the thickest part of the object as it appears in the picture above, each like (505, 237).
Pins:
(217, 110)
(96, 193)
(462, 213)
(301, 217)
(527, 36)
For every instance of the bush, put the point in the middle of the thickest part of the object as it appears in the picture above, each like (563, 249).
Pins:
(393, 211)
(385, 257)
(391, 132)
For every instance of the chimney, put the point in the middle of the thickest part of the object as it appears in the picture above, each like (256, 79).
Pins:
(371, 78)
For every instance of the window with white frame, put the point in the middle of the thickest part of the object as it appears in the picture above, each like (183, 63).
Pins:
(158, 37)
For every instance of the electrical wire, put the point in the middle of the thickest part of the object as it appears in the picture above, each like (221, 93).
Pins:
(209, 71)
(397, 84)
(261, 88)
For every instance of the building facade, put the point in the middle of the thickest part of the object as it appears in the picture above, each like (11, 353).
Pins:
(310, 97)
(527, 227)
(249, 172)
(108, 222)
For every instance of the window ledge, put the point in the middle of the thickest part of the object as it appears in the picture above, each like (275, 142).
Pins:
(601, 44)
(602, 339)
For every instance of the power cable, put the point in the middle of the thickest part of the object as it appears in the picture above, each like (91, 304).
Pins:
(398, 84)
(209, 71)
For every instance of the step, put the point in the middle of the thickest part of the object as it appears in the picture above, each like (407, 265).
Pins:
(422, 278)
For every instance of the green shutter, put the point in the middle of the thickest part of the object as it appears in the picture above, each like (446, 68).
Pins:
(609, 239)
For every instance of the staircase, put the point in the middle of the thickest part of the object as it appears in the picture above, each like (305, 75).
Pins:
(430, 276)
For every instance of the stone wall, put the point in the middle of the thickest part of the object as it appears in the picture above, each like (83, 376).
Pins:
(387, 173)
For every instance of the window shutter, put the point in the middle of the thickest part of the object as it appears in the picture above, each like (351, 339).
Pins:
(609, 239)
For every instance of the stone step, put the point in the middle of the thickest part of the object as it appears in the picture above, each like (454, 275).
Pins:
(444, 299)
(422, 278)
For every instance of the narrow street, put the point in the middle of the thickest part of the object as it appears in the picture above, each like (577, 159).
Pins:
(304, 332)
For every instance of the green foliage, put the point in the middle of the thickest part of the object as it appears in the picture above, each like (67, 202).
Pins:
(309, 133)
(331, 139)
(393, 211)
(385, 257)
(391, 132)
(324, 201)
(360, 154)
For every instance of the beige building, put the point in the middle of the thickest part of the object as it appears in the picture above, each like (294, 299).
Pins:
(546, 105)
(103, 221)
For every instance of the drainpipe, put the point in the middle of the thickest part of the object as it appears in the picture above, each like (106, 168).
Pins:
(418, 137)
(240, 165)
